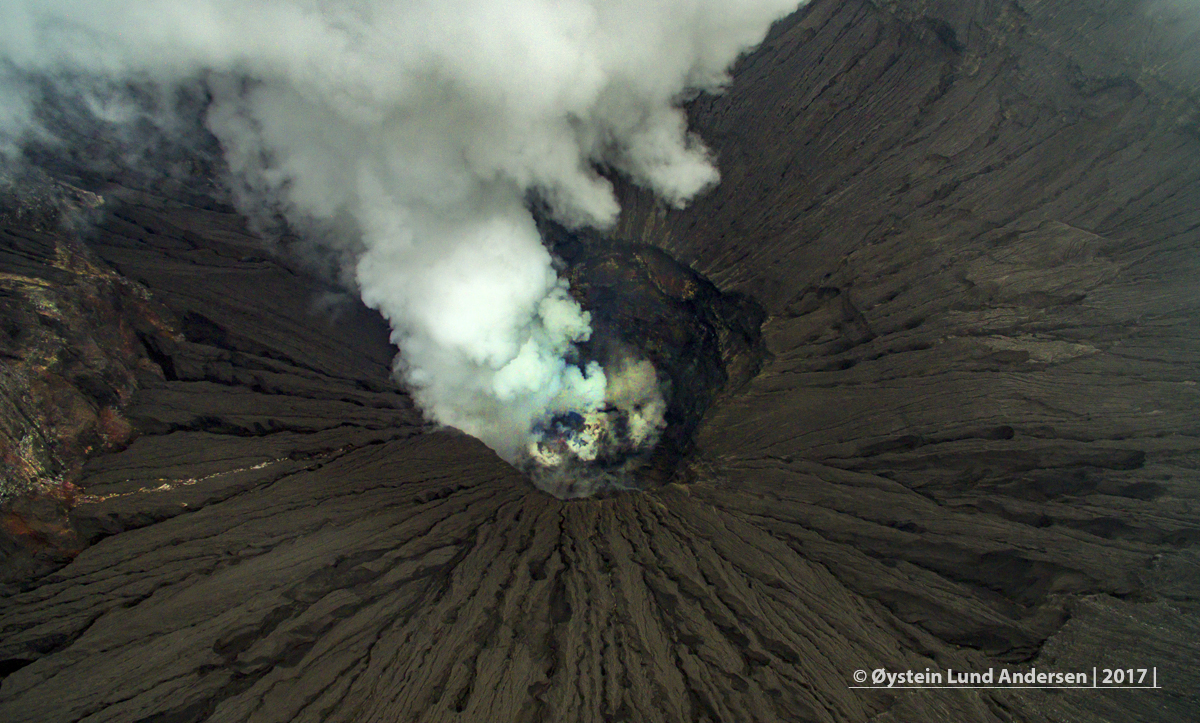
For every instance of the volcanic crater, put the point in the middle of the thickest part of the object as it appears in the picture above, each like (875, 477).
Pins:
(930, 353)
(646, 306)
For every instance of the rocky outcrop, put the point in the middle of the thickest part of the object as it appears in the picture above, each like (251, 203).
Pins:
(973, 443)
(71, 354)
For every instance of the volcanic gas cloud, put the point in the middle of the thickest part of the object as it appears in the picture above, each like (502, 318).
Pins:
(415, 136)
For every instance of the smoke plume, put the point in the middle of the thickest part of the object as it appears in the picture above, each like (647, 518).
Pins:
(420, 131)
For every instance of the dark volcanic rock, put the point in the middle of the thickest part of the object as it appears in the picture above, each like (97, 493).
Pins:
(973, 227)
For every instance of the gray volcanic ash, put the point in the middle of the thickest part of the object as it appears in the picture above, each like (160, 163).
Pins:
(928, 355)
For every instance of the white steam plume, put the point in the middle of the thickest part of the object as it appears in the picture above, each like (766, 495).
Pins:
(427, 125)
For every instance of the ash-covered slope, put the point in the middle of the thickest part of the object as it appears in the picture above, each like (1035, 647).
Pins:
(973, 227)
